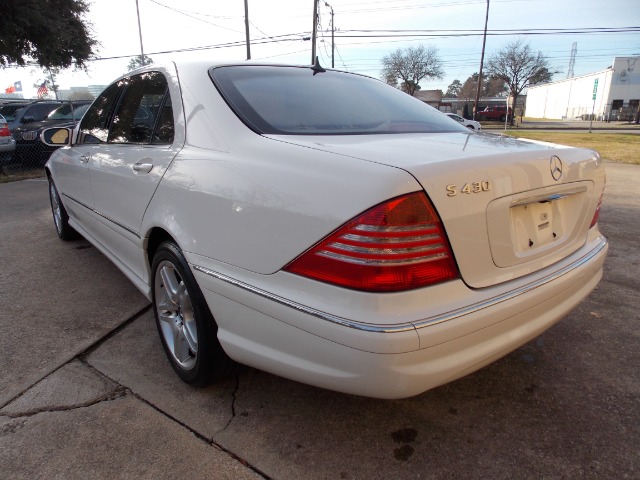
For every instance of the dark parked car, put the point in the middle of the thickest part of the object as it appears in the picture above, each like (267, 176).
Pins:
(18, 114)
(30, 151)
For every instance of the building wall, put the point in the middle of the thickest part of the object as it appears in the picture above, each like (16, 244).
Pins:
(573, 97)
(625, 86)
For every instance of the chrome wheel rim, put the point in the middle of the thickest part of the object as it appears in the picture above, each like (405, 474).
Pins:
(175, 315)
(55, 207)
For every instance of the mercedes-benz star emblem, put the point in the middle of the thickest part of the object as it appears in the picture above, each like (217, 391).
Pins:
(556, 167)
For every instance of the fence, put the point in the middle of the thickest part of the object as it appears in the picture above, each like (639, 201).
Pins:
(617, 111)
(27, 121)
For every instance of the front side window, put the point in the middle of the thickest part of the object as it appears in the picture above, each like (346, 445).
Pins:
(134, 110)
(94, 127)
(142, 104)
(301, 101)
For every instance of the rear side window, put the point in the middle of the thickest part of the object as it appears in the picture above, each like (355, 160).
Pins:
(301, 101)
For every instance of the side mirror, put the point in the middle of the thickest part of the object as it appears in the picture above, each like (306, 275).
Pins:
(28, 120)
(56, 137)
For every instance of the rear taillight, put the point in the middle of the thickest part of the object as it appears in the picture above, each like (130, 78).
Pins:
(597, 214)
(4, 130)
(397, 245)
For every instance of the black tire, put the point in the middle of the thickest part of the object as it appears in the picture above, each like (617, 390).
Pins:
(187, 329)
(502, 118)
(60, 216)
(471, 127)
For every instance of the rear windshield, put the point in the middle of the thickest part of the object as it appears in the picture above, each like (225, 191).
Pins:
(9, 111)
(299, 101)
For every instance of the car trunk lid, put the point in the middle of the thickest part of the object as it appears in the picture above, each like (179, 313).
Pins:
(509, 207)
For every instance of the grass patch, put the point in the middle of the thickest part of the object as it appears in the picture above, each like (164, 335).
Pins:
(618, 147)
(7, 176)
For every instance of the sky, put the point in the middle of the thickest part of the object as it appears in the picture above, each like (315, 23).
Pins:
(365, 31)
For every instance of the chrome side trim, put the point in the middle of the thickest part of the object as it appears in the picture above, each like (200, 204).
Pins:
(77, 201)
(308, 310)
(513, 293)
(106, 217)
(366, 327)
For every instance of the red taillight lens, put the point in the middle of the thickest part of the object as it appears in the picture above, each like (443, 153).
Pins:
(597, 214)
(4, 130)
(397, 245)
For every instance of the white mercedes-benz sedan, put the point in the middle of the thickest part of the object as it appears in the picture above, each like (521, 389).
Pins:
(324, 226)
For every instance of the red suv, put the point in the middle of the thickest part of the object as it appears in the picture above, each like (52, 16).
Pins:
(494, 112)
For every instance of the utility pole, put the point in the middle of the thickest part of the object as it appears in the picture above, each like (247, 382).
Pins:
(333, 29)
(140, 33)
(484, 42)
(246, 27)
(314, 32)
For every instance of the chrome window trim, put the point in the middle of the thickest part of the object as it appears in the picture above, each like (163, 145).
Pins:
(366, 327)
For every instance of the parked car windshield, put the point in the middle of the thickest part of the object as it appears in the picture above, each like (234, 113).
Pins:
(65, 112)
(301, 101)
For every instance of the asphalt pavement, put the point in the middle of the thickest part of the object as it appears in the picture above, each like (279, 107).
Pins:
(86, 392)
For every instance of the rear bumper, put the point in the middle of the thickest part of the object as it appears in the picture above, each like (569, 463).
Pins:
(393, 359)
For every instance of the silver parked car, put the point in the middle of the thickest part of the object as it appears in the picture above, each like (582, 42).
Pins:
(7, 143)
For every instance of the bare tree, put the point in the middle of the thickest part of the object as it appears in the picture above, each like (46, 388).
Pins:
(49, 81)
(518, 66)
(411, 65)
(491, 87)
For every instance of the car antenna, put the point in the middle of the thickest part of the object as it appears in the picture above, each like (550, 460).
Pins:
(317, 68)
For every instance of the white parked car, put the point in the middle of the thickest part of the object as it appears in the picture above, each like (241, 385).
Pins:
(470, 124)
(324, 226)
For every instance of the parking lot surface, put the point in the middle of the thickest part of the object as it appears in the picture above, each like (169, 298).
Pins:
(86, 391)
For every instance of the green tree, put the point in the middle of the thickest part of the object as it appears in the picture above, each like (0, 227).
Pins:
(54, 33)
(519, 66)
(139, 61)
(453, 90)
(411, 65)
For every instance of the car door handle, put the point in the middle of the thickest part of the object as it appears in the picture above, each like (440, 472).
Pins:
(142, 167)
(85, 158)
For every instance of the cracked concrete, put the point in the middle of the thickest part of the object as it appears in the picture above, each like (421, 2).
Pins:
(134, 358)
(74, 385)
(119, 439)
(57, 297)
(81, 422)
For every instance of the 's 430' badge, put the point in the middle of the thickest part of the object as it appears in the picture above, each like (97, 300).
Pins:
(469, 188)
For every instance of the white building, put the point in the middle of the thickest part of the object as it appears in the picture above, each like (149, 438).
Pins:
(611, 94)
